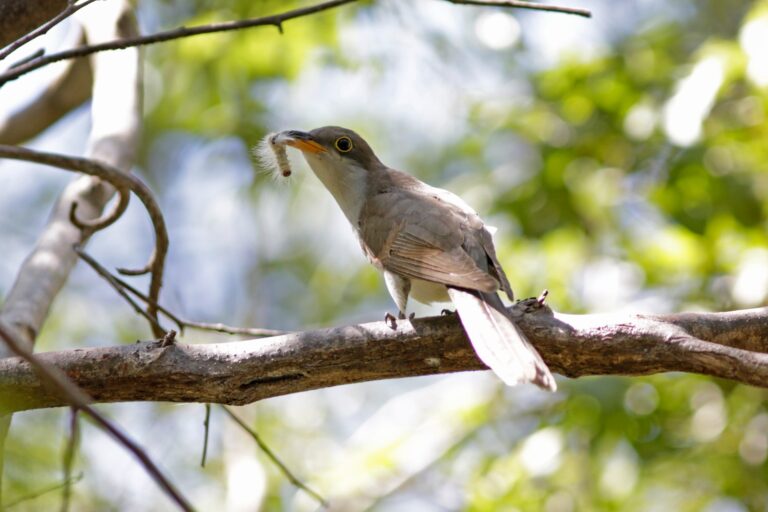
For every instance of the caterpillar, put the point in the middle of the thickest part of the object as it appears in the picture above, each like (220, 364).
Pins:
(272, 155)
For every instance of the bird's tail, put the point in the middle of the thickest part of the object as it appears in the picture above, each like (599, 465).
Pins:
(498, 342)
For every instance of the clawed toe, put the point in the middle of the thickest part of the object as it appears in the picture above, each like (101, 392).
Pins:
(390, 320)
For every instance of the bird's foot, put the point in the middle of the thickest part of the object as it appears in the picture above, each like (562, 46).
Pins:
(447, 312)
(390, 320)
(533, 304)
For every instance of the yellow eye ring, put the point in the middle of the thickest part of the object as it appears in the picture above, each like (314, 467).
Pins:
(344, 144)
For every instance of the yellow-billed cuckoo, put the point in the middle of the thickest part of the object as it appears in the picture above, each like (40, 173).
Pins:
(428, 243)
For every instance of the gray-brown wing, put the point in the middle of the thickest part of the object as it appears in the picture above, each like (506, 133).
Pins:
(423, 238)
(497, 271)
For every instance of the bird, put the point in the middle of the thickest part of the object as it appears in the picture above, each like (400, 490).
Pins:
(428, 243)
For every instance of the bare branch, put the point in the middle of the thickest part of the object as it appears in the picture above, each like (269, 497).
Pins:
(105, 220)
(116, 284)
(276, 20)
(242, 372)
(120, 180)
(229, 329)
(274, 458)
(206, 432)
(68, 91)
(56, 381)
(44, 490)
(69, 457)
(116, 117)
(122, 287)
(516, 4)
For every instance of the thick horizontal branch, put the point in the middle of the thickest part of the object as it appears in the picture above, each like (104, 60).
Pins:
(245, 371)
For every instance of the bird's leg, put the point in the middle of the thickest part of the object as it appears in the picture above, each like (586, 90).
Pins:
(390, 320)
(446, 312)
(399, 287)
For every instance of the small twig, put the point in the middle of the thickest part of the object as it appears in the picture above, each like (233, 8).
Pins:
(206, 431)
(59, 381)
(517, 4)
(271, 455)
(29, 58)
(120, 180)
(122, 286)
(69, 458)
(178, 321)
(275, 20)
(227, 329)
(124, 196)
(117, 286)
(44, 490)
(71, 9)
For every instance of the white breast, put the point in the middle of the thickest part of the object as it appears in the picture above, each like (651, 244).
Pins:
(428, 292)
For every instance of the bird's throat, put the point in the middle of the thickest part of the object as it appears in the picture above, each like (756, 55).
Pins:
(346, 183)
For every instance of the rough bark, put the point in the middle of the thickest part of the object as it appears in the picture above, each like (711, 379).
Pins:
(728, 345)
(17, 17)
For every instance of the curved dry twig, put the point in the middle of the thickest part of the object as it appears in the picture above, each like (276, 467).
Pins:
(122, 287)
(107, 219)
(65, 389)
(113, 281)
(120, 180)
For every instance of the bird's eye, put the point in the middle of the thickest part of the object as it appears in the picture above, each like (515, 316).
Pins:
(343, 144)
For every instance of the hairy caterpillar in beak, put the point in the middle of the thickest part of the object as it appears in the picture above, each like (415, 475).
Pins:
(272, 155)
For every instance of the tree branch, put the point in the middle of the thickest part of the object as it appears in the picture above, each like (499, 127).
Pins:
(56, 381)
(115, 124)
(516, 4)
(275, 459)
(242, 372)
(276, 20)
(122, 181)
(66, 92)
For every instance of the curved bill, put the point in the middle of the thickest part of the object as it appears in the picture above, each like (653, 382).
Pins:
(299, 140)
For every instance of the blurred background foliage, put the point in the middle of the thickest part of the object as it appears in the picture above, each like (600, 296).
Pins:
(622, 158)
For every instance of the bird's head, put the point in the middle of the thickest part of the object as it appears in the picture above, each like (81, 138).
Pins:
(341, 159)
